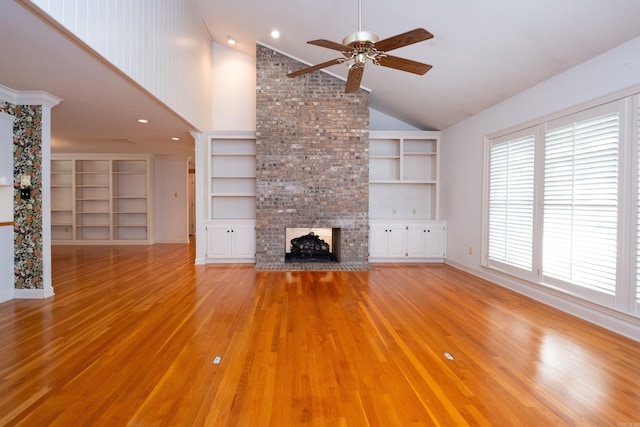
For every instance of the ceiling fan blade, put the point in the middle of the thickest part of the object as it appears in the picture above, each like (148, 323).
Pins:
(316, 67)
(403, 64)
(354, 78)
(329, 45)
(404, 39)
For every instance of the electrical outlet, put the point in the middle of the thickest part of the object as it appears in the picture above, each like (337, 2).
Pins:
(393, 212)
(470, 250)
(414, 211)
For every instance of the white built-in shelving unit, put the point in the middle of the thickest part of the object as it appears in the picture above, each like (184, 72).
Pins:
(101, 199)
(403, 197)
(62, 199)
(230, 228)
(130, 207)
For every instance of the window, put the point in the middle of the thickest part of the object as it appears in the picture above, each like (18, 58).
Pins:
(557, 204)
(511, 201)
(580, 200)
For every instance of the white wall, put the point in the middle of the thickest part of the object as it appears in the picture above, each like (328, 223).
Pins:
(234, 95)
(6, 207)
(382, 121)
(171, 200)
(162, 45)
(462, 144)
(234, 90)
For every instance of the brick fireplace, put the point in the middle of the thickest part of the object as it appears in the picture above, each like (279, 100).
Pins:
(312, 162)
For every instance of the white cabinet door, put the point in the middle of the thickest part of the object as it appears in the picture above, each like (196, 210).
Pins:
(378, 241)
(417, 241)
(243, 241)
(232, 242)
(218, 241)
(396, 242)
(387, 241)
(436, 243)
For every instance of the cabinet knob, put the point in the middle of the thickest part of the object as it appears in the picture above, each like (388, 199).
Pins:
(227, 231)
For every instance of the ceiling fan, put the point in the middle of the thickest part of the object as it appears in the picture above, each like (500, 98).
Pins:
(364, 45)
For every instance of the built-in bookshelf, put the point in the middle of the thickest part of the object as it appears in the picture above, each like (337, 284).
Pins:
(233, 178)
(403, 197)
(232, 197)
(100, 200)
(92, 189)
(62, 199)
(129, 200)
(403, 175)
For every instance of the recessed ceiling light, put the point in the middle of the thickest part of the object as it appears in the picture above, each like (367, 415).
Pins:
(231, 40)
(275, 34)
(175, 138)
(143, 121)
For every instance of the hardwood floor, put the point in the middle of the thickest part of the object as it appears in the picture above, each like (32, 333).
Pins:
(131, 335)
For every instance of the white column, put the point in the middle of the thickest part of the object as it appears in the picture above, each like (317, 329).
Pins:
(201, 199)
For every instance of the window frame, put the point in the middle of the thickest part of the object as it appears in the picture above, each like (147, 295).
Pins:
(487, 260)
(627, 288)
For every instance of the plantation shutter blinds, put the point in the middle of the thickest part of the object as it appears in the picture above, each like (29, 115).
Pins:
(511, 185)
(581, 199)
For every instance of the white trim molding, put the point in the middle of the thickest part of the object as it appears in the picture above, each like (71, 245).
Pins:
(28, 98)
(605, 317)
(33, 293)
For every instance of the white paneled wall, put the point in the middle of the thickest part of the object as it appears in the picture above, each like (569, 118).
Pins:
(162, 45)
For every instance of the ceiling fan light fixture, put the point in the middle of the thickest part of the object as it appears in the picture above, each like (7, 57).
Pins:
(360, 60)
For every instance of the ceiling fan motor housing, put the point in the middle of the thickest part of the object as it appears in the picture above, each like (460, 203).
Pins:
(360, 38)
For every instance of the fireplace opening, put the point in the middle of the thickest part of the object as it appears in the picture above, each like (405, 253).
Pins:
(312, 244)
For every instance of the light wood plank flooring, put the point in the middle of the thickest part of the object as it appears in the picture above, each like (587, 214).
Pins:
(131, 335)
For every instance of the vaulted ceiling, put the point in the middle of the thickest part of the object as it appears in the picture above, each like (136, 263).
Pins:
(483, 52)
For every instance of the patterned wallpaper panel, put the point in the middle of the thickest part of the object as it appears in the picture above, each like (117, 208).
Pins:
(27, 214)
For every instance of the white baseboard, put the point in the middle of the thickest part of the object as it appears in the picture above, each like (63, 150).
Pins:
(230, 260)
(32, 293)
(605, 317)
(406, 260)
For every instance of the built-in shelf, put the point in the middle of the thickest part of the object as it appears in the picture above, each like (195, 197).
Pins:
(404, 221)
(100, 199)
(403, 175)
(232, 187)
(232, 198)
